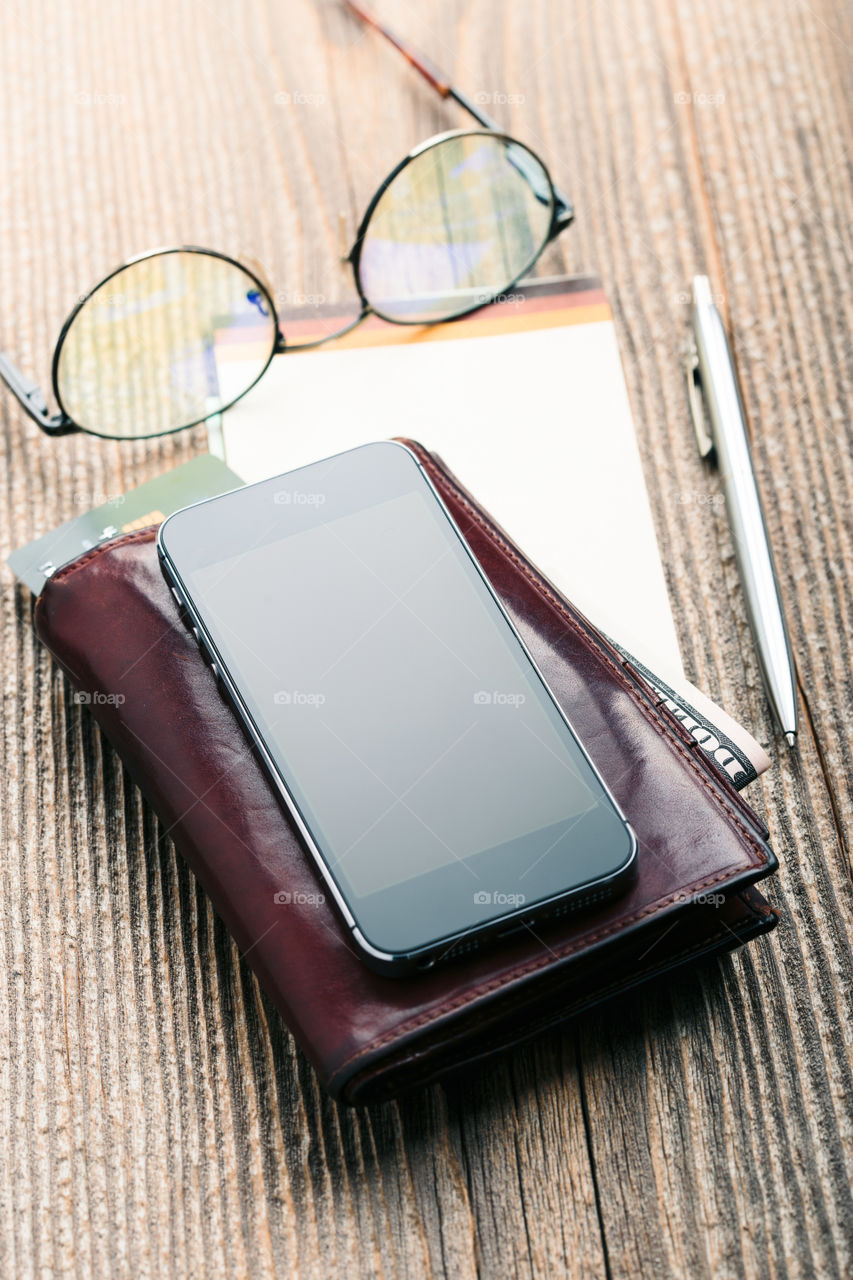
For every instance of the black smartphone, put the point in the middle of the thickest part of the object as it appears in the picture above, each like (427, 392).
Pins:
(434, 778)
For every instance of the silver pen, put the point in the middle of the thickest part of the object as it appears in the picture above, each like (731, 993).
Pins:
(712, 380)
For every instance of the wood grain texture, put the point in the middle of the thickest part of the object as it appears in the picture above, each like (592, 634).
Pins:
(155, 1117)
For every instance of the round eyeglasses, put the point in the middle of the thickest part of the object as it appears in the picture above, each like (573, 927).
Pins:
(178, 335)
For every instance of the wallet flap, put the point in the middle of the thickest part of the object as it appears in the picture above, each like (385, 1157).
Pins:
(112, 623)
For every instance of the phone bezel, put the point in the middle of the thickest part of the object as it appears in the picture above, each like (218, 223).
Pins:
(398, 963)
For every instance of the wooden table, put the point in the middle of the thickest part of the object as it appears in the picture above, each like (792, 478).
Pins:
(156, 1118)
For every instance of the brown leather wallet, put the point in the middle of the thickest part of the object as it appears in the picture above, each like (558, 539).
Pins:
(111, 621)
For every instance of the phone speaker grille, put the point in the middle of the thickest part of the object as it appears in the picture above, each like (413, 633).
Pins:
(462, 949)
(576, 904)
(555, 913)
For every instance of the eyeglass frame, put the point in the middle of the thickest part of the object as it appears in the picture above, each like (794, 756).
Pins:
(30, 396)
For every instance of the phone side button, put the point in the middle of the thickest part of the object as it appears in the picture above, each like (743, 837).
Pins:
(183, 612)
(222, 687)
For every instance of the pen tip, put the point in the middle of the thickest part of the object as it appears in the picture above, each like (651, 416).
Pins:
(791, 738)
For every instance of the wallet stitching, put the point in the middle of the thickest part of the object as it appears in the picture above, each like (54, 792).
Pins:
(68, 570)
(556, 1017)
(139, 535)
(533, 966)
(436, 1061)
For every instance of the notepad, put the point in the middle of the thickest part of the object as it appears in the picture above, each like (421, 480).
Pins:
(526, 402)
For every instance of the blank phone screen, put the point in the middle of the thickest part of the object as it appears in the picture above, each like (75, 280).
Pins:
(408, 723)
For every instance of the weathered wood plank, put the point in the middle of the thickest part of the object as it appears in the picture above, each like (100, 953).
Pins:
(156, 1118)
(742, 1144)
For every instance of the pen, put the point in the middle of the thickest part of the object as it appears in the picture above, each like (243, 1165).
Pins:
(712, 380)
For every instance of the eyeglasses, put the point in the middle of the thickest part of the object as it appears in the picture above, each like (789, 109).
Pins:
(177, 335)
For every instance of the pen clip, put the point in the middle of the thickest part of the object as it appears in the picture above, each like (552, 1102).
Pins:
(696, 403)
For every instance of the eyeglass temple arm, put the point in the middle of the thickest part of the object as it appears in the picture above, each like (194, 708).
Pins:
(31, 398)
(564, 213)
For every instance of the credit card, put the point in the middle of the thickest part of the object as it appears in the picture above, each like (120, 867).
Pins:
(150, 503)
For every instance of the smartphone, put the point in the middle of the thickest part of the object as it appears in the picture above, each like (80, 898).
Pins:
(434, 778)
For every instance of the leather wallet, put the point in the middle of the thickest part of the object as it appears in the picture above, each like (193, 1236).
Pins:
(113, 625)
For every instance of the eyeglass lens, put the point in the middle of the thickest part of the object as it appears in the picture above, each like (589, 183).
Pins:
(167, 341)
(458, 225)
